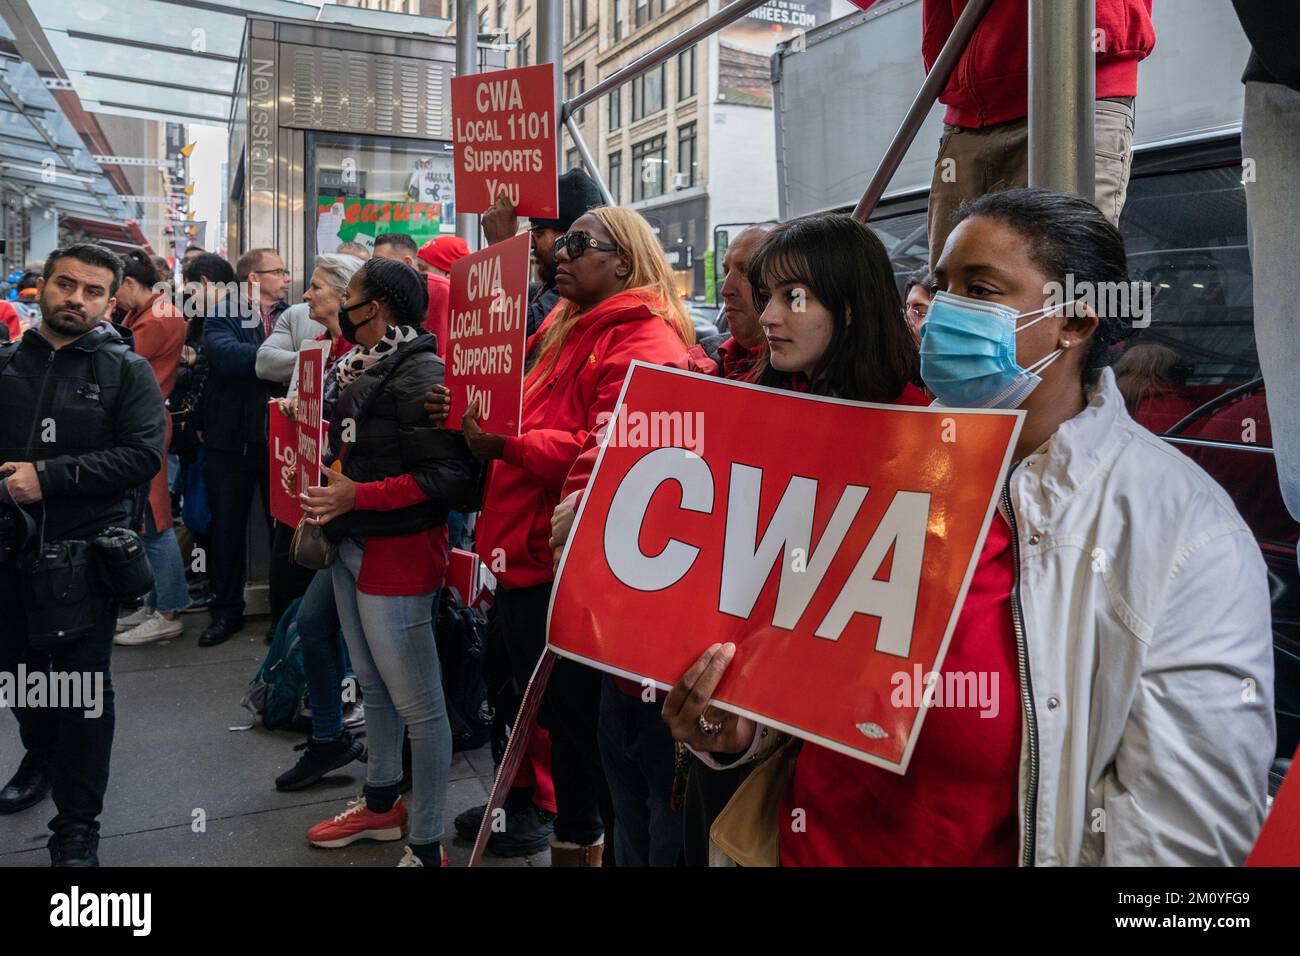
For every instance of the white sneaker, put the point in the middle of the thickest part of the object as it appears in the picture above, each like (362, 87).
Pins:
(154, 628)
(134, 619)
(410, 859)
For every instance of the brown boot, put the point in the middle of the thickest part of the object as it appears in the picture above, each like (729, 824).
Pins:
(573, 854)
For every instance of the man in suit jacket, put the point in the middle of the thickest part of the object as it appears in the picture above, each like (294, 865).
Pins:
(235, 425)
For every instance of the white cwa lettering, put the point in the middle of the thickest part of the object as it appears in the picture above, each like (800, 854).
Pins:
(747, 558)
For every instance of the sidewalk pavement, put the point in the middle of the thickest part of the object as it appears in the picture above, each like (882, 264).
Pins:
(186, 790)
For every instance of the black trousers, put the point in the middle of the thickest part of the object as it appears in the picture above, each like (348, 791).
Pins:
(570, 711)
(73, 744)
(288, 581)
(233, 478)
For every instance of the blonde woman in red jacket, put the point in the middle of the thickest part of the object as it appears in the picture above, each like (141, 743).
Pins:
(618, 305)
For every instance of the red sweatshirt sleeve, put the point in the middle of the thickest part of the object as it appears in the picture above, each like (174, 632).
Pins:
(389, 494)
(549, 453)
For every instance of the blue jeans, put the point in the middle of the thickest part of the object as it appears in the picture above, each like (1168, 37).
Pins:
(636, 750)
(1270, 134)
(322, 657)
(390, 640)
(170, 593)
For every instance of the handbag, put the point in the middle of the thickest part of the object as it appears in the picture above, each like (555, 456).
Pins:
(310, 548)
(748, 830)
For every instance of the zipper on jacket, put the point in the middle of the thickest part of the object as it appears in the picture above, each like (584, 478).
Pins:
(38, 405)
(1026, 691)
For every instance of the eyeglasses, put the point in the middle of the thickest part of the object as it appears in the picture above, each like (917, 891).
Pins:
(270, 272)
(576, 243)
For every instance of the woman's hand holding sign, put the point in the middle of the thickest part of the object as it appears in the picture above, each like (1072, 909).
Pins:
(692, 720)
(482, 445)
(324, 503)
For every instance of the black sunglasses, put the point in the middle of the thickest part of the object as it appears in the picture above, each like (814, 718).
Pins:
(576, 243)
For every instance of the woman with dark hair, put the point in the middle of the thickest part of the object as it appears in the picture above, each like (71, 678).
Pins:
(831, 313)
(833, 325)
(1142, 730)
(392, 479)
(159, 336)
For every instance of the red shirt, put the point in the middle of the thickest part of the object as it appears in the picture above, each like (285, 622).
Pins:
(958, 803)
(10, 318)
(400, 564)
(437, 319)
(990, 83)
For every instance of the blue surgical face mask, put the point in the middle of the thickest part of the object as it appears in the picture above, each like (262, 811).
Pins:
(968, 353)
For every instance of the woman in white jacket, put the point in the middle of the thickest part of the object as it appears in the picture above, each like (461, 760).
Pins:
(1138, 604)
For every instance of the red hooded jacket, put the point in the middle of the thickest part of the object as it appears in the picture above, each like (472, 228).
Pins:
(991, 82)
(514, 527)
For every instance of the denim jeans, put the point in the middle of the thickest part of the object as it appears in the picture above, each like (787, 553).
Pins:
(390, 640)
(170, 593)
(322, 657)
(636, 750)
(1270, 135)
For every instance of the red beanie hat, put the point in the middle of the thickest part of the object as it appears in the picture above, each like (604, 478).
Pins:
(443, 251)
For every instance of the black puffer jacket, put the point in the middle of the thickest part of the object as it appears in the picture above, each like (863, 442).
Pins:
(391, 436)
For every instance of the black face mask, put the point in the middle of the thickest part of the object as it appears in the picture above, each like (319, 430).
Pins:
(348, 328)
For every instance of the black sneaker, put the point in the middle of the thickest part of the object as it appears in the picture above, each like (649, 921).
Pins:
(318, 760)
(468, 821)
(528, 831)
(77, 845)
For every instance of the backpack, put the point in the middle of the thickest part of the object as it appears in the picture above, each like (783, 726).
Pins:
(462, 642)
(277, 690)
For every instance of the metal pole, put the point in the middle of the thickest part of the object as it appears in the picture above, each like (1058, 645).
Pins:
(1062, 95)
(934, 83)
(728, 14)
(550, 49)
(467, 64)
(587, 159)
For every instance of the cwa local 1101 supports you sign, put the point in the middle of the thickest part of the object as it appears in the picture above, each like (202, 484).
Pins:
(833, 545)
(504, 140)
(485, 340)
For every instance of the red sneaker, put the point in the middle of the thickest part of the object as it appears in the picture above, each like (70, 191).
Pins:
(359, 823)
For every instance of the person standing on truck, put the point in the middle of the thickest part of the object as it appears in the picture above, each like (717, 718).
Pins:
(1270, 142)
(985, 142)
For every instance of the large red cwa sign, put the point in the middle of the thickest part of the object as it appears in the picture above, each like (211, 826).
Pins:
(831, 541)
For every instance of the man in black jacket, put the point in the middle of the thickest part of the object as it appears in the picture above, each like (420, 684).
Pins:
(578, 193)
(81, 431)
(235, 429)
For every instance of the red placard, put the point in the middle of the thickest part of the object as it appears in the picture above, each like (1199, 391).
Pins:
(1279, 840)
(831, 541)
(283, 438)
(504, 140)
(310, 443)
(485, 351)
